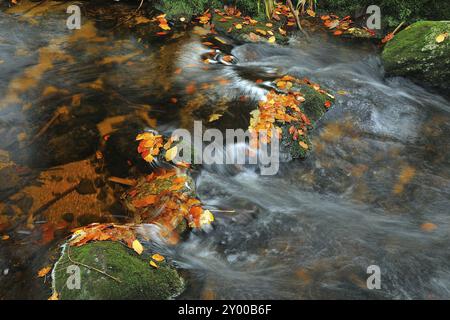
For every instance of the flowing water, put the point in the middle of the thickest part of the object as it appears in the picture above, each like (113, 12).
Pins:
(379, 172)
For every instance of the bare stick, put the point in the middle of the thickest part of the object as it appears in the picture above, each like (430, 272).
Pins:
(297, 19)
(89, 267)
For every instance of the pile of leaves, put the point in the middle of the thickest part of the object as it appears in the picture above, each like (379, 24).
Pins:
(106, 231)
(156, 147)
(166, 198)
(345, 26)
(231, 20)
(282, 112)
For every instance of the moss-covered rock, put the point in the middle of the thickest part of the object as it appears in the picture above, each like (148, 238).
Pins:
(138, 280)
(415, 53)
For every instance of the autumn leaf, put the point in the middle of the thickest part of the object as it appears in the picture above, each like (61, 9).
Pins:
(5, 237)
(441, 37)
(157, 257)
(171, 153)
(272, 39)
(153, 264)
(54, 296)
(327, 104)
(214, 117)
(137, 246)
(428, 227)
(303, 145)
(337, 32)
(43, 272)
(311, 13)
(144, 202)
(238, 26)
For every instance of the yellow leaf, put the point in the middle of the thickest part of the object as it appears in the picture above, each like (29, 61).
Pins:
(43, 272)
(157, 257)
(54, 296)
(5, 237)
(206, 218)
(238, 26)
(137, 246)
(214, 117)
(303, 145)
(272, 39)
(311, 13)
(149, 158)
(171, 153)
(440, 38)
(153, 264)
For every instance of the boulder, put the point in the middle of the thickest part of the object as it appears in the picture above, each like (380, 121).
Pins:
(134, 279)
(421, 52)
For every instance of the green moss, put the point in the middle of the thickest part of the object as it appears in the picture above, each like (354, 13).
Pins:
(314, 105)
(138, 280)
(414, 53)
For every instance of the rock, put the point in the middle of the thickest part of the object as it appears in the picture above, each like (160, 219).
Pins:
(415, 53)
(62, 145)
(8, 174)
(86, 186)
(88, 218)
(138, 280)
(68, 217)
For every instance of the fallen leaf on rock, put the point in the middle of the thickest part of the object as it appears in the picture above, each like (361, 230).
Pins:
(272, 39)
(54, 296)
(43, 272)
(441, 37)
(171, 153)
(214, 117)
(157, 257)
(137, 246)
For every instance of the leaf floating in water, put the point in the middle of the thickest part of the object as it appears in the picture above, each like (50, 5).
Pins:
(428, 227)
(137, 246)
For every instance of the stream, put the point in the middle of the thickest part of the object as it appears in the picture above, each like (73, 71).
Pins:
(379, 171)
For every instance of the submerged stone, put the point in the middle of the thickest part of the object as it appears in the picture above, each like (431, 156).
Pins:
(134, 278)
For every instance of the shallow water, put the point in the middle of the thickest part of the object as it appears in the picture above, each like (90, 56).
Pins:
(380, 168)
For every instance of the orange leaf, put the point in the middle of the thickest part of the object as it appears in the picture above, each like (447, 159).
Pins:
(43, 272)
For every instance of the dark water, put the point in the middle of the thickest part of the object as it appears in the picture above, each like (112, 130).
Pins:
(379, 171)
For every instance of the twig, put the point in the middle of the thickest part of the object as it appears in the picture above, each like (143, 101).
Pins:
(90, 267)
(398, 27)
(294, 13)
(127, 182)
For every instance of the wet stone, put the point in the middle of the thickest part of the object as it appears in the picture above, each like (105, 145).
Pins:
(68, 217)
(86, 186)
